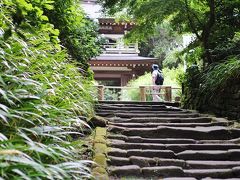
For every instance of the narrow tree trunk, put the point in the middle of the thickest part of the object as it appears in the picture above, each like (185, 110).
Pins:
(207, 32)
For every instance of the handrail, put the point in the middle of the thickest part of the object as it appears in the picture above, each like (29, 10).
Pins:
(120, 48)
(167, 92)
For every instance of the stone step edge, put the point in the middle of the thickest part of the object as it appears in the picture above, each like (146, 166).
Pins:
(175, 104)
(162, 119)
(174, 147)
(175, 171)
(220, 155)
(185, 164)
(155, 124)
(153, 140)
(147, 114)
(196, 133)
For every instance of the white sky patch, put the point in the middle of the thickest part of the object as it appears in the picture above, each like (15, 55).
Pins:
(92, 10)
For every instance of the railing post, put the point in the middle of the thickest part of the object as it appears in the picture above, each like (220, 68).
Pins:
(168, 96)
(142, 93)
(100, 93)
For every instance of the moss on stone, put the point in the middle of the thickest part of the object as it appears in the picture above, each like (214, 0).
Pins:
(100, 151)
(100, 159)
(97, 121)
(100, 139)
(100, 148)
(101, 131)
(100, 173)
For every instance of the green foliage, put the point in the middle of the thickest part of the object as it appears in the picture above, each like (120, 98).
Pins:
(217, 77)
(42, 98)
(164, 45)
(193, 56)
(172, 60)
(111, 94)
(202, 87)
(134, 92)
(212, 22)
(170, 78)
(190, 81)
(215, 50)
(77, 33)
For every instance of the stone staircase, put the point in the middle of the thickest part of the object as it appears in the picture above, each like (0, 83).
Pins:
(159, 141)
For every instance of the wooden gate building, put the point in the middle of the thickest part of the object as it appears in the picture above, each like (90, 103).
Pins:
(119, 62)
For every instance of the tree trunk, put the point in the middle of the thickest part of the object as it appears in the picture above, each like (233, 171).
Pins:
(207, 32)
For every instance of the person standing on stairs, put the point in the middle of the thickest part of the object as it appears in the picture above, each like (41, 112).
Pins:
(157, 80)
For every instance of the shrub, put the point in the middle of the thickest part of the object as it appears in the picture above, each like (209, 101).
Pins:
(42, 98)
(170, 78)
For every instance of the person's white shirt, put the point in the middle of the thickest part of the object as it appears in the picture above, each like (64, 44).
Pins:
(156, 88)
(154, 75)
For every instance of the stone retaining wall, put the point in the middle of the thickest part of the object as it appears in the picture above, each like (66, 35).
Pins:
(227, 103)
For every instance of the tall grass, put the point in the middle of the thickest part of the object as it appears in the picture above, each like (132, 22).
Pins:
(218, 76)
(42, 99)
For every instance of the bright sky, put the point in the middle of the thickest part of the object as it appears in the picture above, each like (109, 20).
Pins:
(92, 9)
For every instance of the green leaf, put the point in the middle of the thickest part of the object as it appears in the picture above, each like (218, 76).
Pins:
(48, 6)
(44, 18)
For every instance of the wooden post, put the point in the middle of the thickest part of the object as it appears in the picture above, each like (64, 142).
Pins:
(142, 93)
(168, 95)
(177, 99)
(100, 93)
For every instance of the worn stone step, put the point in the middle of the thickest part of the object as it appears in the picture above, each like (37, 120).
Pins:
(136, 125)
(192, 178)
(231, 141)
(190, 164)
(208, 178)
(211, 164)
(141, 152)
(171, 171)
(147, 115)
(143, 111)
(138, 139)
(147, 172)
(117, 137)
(155, 141)
(221, 155)
(117, 152)
(128, 170)
(198, 133)
(214, 173)
(147, 162)
(164, 171)
(133, 103)
(183, 147)
(151, 153)
(138, 107)
(174, 147)
(145, 108)
(124, 145)
(118, 161)
(180, 178)
(164, 120)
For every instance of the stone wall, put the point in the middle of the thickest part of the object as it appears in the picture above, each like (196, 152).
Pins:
(227, 102)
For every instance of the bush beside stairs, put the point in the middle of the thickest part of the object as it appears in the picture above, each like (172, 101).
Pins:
(148, 140)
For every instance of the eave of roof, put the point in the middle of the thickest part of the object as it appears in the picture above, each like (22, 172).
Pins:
(122, 57)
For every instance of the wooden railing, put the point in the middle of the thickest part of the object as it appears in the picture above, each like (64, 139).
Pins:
(120, 48)
(143, 93)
